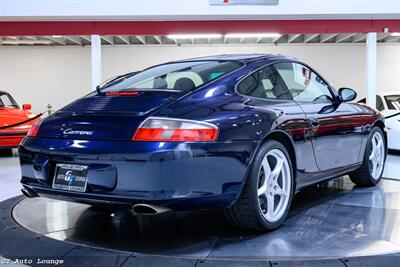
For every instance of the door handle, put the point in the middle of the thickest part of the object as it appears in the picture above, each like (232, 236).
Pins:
(313, 122)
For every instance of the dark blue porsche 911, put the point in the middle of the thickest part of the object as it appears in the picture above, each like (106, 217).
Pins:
(239, 132)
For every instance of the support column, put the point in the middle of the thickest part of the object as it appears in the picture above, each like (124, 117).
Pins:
(371, 68)
(96, 60)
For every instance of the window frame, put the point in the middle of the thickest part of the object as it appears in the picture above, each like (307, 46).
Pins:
(330, 88)
(255, 97)
(11, 99)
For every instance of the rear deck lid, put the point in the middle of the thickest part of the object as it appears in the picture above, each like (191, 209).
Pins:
(114, 117)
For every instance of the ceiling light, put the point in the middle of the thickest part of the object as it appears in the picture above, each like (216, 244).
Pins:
(194, 36)
(252, 35)
(57, 36)
(26, 42)
(395, 34)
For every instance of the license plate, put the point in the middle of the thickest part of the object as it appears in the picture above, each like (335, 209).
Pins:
(70, 177)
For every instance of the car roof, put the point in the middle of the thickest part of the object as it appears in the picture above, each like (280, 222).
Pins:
(240, 57)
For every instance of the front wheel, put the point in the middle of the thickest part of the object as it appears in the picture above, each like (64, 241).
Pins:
(267, 195)
(370, 173)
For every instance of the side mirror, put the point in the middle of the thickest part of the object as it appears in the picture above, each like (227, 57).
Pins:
(26, 106)
(347, 94)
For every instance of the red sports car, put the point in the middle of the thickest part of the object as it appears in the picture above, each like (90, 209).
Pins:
(11, 114)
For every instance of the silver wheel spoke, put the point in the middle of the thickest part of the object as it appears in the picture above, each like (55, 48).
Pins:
(277, 170)
(279, 191)
(267, 168)
(270, 205)
(372, 156)
(379, 145)
(374, 167)
(262, 190)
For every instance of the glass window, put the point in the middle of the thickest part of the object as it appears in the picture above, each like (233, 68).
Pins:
(379, 103)
(264, 83)
(303, 84)
(364, 101)
(179, 76)
(6, 100)
(393, 101)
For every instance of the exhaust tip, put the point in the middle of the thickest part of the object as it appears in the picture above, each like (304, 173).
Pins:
(147, 209)
(29, 193)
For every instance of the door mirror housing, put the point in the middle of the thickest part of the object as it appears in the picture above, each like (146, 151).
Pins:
(26, 106)
(347, 94)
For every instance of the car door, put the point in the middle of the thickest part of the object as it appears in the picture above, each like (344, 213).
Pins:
(334, 128)
(267, 91)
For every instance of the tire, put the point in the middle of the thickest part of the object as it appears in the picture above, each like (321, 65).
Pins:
(251, 211)
(365, 175)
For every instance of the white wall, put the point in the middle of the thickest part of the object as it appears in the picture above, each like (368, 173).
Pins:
(193, 9)
(58, 75)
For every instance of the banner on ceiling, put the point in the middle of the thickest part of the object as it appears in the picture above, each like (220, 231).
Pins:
(244, 2)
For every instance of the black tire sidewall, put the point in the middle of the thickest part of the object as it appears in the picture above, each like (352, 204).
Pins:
(253, 180)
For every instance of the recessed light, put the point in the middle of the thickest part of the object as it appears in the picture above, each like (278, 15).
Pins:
(27, 42)
(395, 34)
(57, 36)
(194, 36)
(252, 35)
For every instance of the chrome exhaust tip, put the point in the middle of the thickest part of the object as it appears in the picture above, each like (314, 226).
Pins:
(29, 193)
(147, 209)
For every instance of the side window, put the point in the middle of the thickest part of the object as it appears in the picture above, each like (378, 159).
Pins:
(303, 84)
(264, 83)
(5, 101)
(379, 103)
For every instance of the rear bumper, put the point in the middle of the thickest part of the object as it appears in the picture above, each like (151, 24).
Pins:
(179, 176)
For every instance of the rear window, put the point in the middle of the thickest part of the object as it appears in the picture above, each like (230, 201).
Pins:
(393, 101)
(179, 76)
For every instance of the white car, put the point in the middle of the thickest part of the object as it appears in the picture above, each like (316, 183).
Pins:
(388, 104)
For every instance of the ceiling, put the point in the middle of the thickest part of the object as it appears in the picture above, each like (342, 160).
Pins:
(109, 40)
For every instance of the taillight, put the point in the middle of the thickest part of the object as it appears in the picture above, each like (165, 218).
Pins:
(175, 130)
(33, 131)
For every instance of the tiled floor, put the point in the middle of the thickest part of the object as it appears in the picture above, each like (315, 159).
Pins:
(10, 174)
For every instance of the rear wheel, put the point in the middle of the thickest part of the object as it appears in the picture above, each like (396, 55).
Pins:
(370, 173)
(266, 198)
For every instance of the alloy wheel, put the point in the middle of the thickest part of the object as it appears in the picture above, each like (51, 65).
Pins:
(377, 156)
(274, 185)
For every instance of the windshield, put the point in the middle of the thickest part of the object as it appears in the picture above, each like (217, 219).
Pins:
(179, 76)
(6, 101)
(393, 101)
